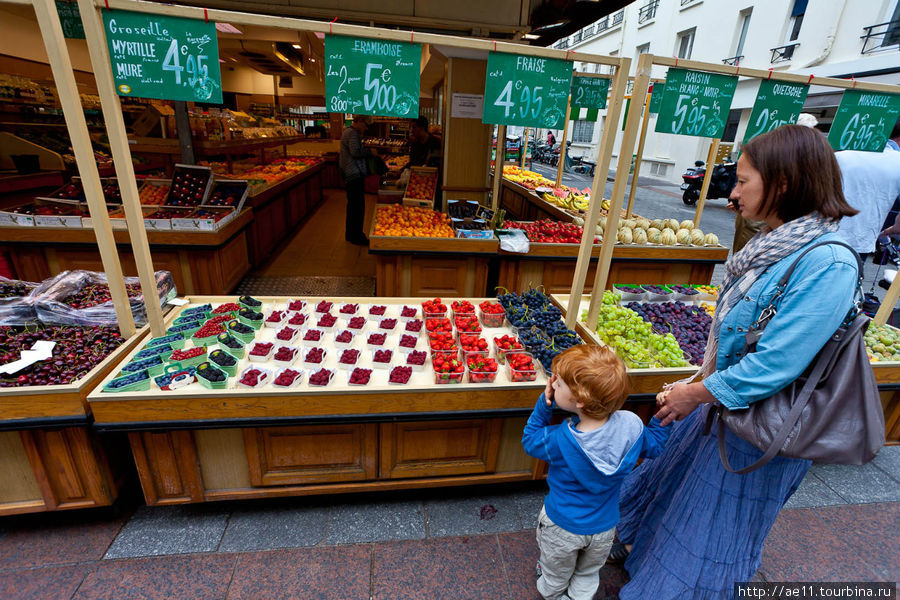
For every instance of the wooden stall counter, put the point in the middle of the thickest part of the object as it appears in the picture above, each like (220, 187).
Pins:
(50, 457)
(195, 444)
(200, 261)
(524, 204)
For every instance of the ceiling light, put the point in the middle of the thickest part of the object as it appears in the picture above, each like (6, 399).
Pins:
(297, 46)
(311, 59)
(227, 28)
(530, 36)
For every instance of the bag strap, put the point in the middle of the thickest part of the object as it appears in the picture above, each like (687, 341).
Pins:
(823, 359)
(754, 332)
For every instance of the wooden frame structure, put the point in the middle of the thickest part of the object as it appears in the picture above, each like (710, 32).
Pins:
(635, 115)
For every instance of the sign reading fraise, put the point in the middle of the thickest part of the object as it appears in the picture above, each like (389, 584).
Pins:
(777, 103)
(168, 58)
(864, 121)
(695, 103)
(372, 77)
(526, 90)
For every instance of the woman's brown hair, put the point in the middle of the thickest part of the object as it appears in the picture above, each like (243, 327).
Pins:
(799, 172)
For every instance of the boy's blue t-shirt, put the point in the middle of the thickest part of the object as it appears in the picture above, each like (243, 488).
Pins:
(587, 468)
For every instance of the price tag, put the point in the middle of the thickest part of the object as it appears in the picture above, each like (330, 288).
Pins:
(656, 98)
(70, 19)
(777, 103)
(695, 103)
(589, 92)
(169, 58)
(372, 77)
(864, 121)
(526, 90)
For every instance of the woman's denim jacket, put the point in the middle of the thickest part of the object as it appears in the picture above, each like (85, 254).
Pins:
(818, 296)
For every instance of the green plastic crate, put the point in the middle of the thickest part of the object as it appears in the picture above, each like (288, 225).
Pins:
(212, 385)
(142, 385)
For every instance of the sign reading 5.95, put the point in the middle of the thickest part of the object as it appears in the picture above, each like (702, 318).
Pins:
(864, 120)
(526, 90)
(169, 58)
(372, 77)
(695, 103)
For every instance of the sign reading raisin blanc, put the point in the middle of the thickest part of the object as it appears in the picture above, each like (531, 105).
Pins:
(864, 120)
(70, 19)
(695, 103)
(526, 90)
(589, 92)
(372, 77)
(169, 58)
(777, 103)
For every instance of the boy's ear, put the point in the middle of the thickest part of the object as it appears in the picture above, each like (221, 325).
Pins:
(579, 404)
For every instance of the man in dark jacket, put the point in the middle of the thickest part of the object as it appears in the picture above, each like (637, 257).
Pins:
(353, 168)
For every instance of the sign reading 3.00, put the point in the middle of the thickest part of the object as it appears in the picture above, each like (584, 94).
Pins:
(372, 77)
(695, 103)
(864, 121)
(169, 58)
(526, 90)
(777, 103)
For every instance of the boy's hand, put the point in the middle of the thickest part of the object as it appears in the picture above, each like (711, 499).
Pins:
(548, 391)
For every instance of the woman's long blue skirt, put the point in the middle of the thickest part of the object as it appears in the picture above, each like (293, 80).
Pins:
(696, 529)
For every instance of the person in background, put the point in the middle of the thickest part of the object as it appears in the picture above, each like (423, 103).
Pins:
(589, 456)
(353, 168)
(871, 184)
(422, 145)
(551, 139)
(695, 528)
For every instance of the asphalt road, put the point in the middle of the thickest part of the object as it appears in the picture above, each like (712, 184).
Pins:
(656, 199)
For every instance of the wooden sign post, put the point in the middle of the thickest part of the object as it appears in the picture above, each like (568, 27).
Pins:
(118, 143)
(707, 177)
(637, 161)
(64, 76)
(499, 159)
(524, 147)
(562, 145)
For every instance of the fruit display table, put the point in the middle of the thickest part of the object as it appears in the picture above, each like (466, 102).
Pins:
(50, 457)
(200, 261)
(525, 204)
(211, 440)
(647, 382)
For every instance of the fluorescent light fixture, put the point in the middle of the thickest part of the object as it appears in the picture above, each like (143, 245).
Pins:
(311, 59)
(227, 28)
(296, 46)
(530, 36)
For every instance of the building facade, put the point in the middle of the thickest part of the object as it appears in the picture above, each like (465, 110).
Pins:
(825, 38)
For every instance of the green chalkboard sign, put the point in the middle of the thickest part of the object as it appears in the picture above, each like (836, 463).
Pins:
(70, 19)
(526, 90)
(656, 98)
(864, 121)
(777, 103)
(372, 77)
(169, 58)
(695, 103)
(589, 92)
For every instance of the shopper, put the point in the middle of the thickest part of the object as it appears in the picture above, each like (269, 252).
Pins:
(589, 456)
(871, 183)
(694, 528)
(551, 139)
(353, 168)
(424, 148)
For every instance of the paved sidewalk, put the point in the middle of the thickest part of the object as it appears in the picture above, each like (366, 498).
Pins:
(473, 543)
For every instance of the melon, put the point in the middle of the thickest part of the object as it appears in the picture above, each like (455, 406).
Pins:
(711, 239)
(653, 236)
(687, 224)
(697, 237)
(643, 224)
(578, 221)
(683, 236)
(629, 223)
(667, 237)
(658, 224)
(626, 235)
(640, 236)
(671, 224)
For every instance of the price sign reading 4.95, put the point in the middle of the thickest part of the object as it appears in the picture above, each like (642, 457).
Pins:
(695, 103)
(372, 77)
(864, 121)
(526, 90)
(589, 92)
(777, 103)
(169, 58)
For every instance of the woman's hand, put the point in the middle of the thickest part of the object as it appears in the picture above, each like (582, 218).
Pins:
(680, 400)
(548, 391)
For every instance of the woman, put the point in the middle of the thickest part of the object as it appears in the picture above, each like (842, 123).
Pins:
(353, 168)
(694, 528)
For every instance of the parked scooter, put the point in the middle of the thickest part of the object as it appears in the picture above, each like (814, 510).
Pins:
(583, 166)
(724, 178)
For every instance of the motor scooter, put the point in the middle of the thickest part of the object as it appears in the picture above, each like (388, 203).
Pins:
(724, 178)
(581, 165)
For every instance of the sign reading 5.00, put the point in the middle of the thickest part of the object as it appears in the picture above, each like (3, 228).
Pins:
(372, 77)
(864, 120)
(695, 103)
(170, 58)
(777, 103)
(526, 90)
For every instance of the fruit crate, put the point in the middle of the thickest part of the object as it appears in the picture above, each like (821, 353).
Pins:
(190, 186)
(230, 193)
(204, 219)
(421, 187)
(153, 192)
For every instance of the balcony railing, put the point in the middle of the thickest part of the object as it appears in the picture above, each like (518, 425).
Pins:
(563, 43)
(734, 61)
(876, 41)
(578, 36)
(685, 2)
(648, 11)
(783, 53)
(617, 18)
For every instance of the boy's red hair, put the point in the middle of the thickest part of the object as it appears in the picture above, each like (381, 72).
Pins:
(596, 376)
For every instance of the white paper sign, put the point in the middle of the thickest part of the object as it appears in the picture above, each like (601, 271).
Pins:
(178, 301)
(466, 106)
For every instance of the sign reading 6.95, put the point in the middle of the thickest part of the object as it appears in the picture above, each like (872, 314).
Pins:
(372, 77)
(526, 90)
(864, 120)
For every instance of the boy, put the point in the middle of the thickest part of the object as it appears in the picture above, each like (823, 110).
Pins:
(589, 456)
